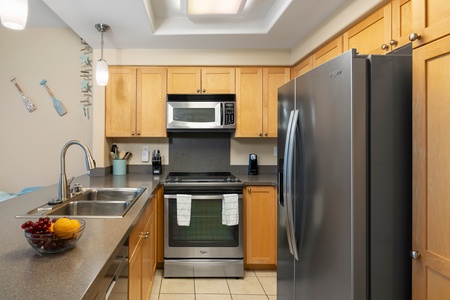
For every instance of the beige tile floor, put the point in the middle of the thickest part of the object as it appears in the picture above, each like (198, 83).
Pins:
(256, 285)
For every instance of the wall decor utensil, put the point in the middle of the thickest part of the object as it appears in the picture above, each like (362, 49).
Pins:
(56, 103)
(86, 76)
(25, 99)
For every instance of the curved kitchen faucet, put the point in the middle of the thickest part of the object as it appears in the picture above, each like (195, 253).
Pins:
(63, 186)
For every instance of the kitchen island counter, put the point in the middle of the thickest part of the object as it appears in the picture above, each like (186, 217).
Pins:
(73, 274)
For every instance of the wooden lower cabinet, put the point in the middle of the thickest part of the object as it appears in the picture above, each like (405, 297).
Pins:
(142, 254)
(260, 227)
(160, 227)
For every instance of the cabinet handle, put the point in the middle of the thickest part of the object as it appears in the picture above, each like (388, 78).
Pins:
(204, 91)
(414, 37)
(393, 42)
(145, 235)
(414, 254)
(384, 47)
(249, 190)
(198, 91)
(132, 133)
(138, 133)
(260, 134)
(265, 134)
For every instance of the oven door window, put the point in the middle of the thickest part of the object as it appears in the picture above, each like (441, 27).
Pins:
(205, 228)
(200, 115)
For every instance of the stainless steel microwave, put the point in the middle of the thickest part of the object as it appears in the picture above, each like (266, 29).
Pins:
(205, 112)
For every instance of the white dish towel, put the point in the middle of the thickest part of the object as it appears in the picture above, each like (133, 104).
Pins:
(183, 209)
(230, 210)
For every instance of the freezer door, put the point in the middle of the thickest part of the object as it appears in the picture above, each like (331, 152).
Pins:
(285, 260)
(331, 100)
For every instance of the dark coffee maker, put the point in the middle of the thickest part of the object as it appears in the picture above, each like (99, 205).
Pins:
(252, 164)
(156, 162)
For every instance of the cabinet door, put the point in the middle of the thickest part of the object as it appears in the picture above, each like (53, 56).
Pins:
(218, 81)
(430, 19)
(148, 255)
(135, 275)
(183, 80)
(260, 225)
(431, 170)
(327, 52)
(401, 23)
(120, 102)
(248, 102)
(273, 78)
(369, 36)
(160, 226)
(151, 102)
(303, 67)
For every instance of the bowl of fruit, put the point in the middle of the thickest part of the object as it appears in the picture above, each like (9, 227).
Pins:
(53, 236)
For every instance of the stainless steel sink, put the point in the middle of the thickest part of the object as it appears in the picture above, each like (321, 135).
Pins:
(92, 203)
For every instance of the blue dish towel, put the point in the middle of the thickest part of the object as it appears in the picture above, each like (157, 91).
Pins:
(230, 210)
(183, 209)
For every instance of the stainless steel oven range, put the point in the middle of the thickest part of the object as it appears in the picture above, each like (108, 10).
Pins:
(204, 246)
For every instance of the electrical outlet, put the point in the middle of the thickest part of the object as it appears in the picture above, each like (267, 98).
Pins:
(144, 156)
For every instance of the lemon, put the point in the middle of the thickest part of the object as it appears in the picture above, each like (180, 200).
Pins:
(65, 228)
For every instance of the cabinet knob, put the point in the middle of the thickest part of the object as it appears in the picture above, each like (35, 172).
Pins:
(145, 235)
(198, 91)
(384, 47)
(393, 42)
(414, 254)
(260, 134)
(138, 133)
(132, 133)
(265, 134)
(249, 190)
(204, 91)
(414, 37)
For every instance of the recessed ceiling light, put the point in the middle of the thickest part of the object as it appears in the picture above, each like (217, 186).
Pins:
(212, 7)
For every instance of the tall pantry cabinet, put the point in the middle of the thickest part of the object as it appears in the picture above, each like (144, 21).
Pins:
(431, 149)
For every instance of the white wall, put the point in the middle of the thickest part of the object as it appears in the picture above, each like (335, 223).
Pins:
(31, 142)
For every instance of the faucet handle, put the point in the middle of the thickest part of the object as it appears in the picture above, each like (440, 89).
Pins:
(77, 188)
(70, 181)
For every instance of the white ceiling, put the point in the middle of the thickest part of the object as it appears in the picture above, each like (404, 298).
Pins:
(159, 24)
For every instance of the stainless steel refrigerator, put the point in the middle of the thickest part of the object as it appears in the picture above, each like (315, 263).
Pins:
(344, 180)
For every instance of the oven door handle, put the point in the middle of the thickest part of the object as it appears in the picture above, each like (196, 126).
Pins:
(201, 197)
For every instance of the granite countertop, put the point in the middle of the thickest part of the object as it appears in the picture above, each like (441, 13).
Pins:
(73, 274)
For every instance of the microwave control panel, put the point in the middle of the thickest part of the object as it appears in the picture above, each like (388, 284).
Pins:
(229, 113)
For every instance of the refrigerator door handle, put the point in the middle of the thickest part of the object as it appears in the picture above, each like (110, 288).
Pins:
(287, 182)
(289, 159)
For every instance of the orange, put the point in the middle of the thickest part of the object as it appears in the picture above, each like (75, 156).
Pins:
(65, 228)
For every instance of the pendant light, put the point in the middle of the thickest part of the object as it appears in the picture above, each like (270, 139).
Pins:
(14, 13)
(101, 70)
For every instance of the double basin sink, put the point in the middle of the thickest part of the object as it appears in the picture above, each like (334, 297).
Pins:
(92, 203)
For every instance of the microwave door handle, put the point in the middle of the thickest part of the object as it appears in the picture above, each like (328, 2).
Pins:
(221, 114)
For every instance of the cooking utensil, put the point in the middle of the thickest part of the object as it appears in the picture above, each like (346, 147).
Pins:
(122, 154)
(25, 99)
(56, 103)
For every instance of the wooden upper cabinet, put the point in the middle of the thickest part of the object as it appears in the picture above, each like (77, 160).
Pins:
(135, 104)
(372, 35)
(401, 23)
(273, 78)
(430, 19)
(120, 106)
(257, 100)
(248, 102)
(208, 80)
(151, 102)
(327, 52)
(302, 67)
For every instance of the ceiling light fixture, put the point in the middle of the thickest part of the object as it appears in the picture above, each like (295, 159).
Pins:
(212, 7)
(101, 70)
(14, 13)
